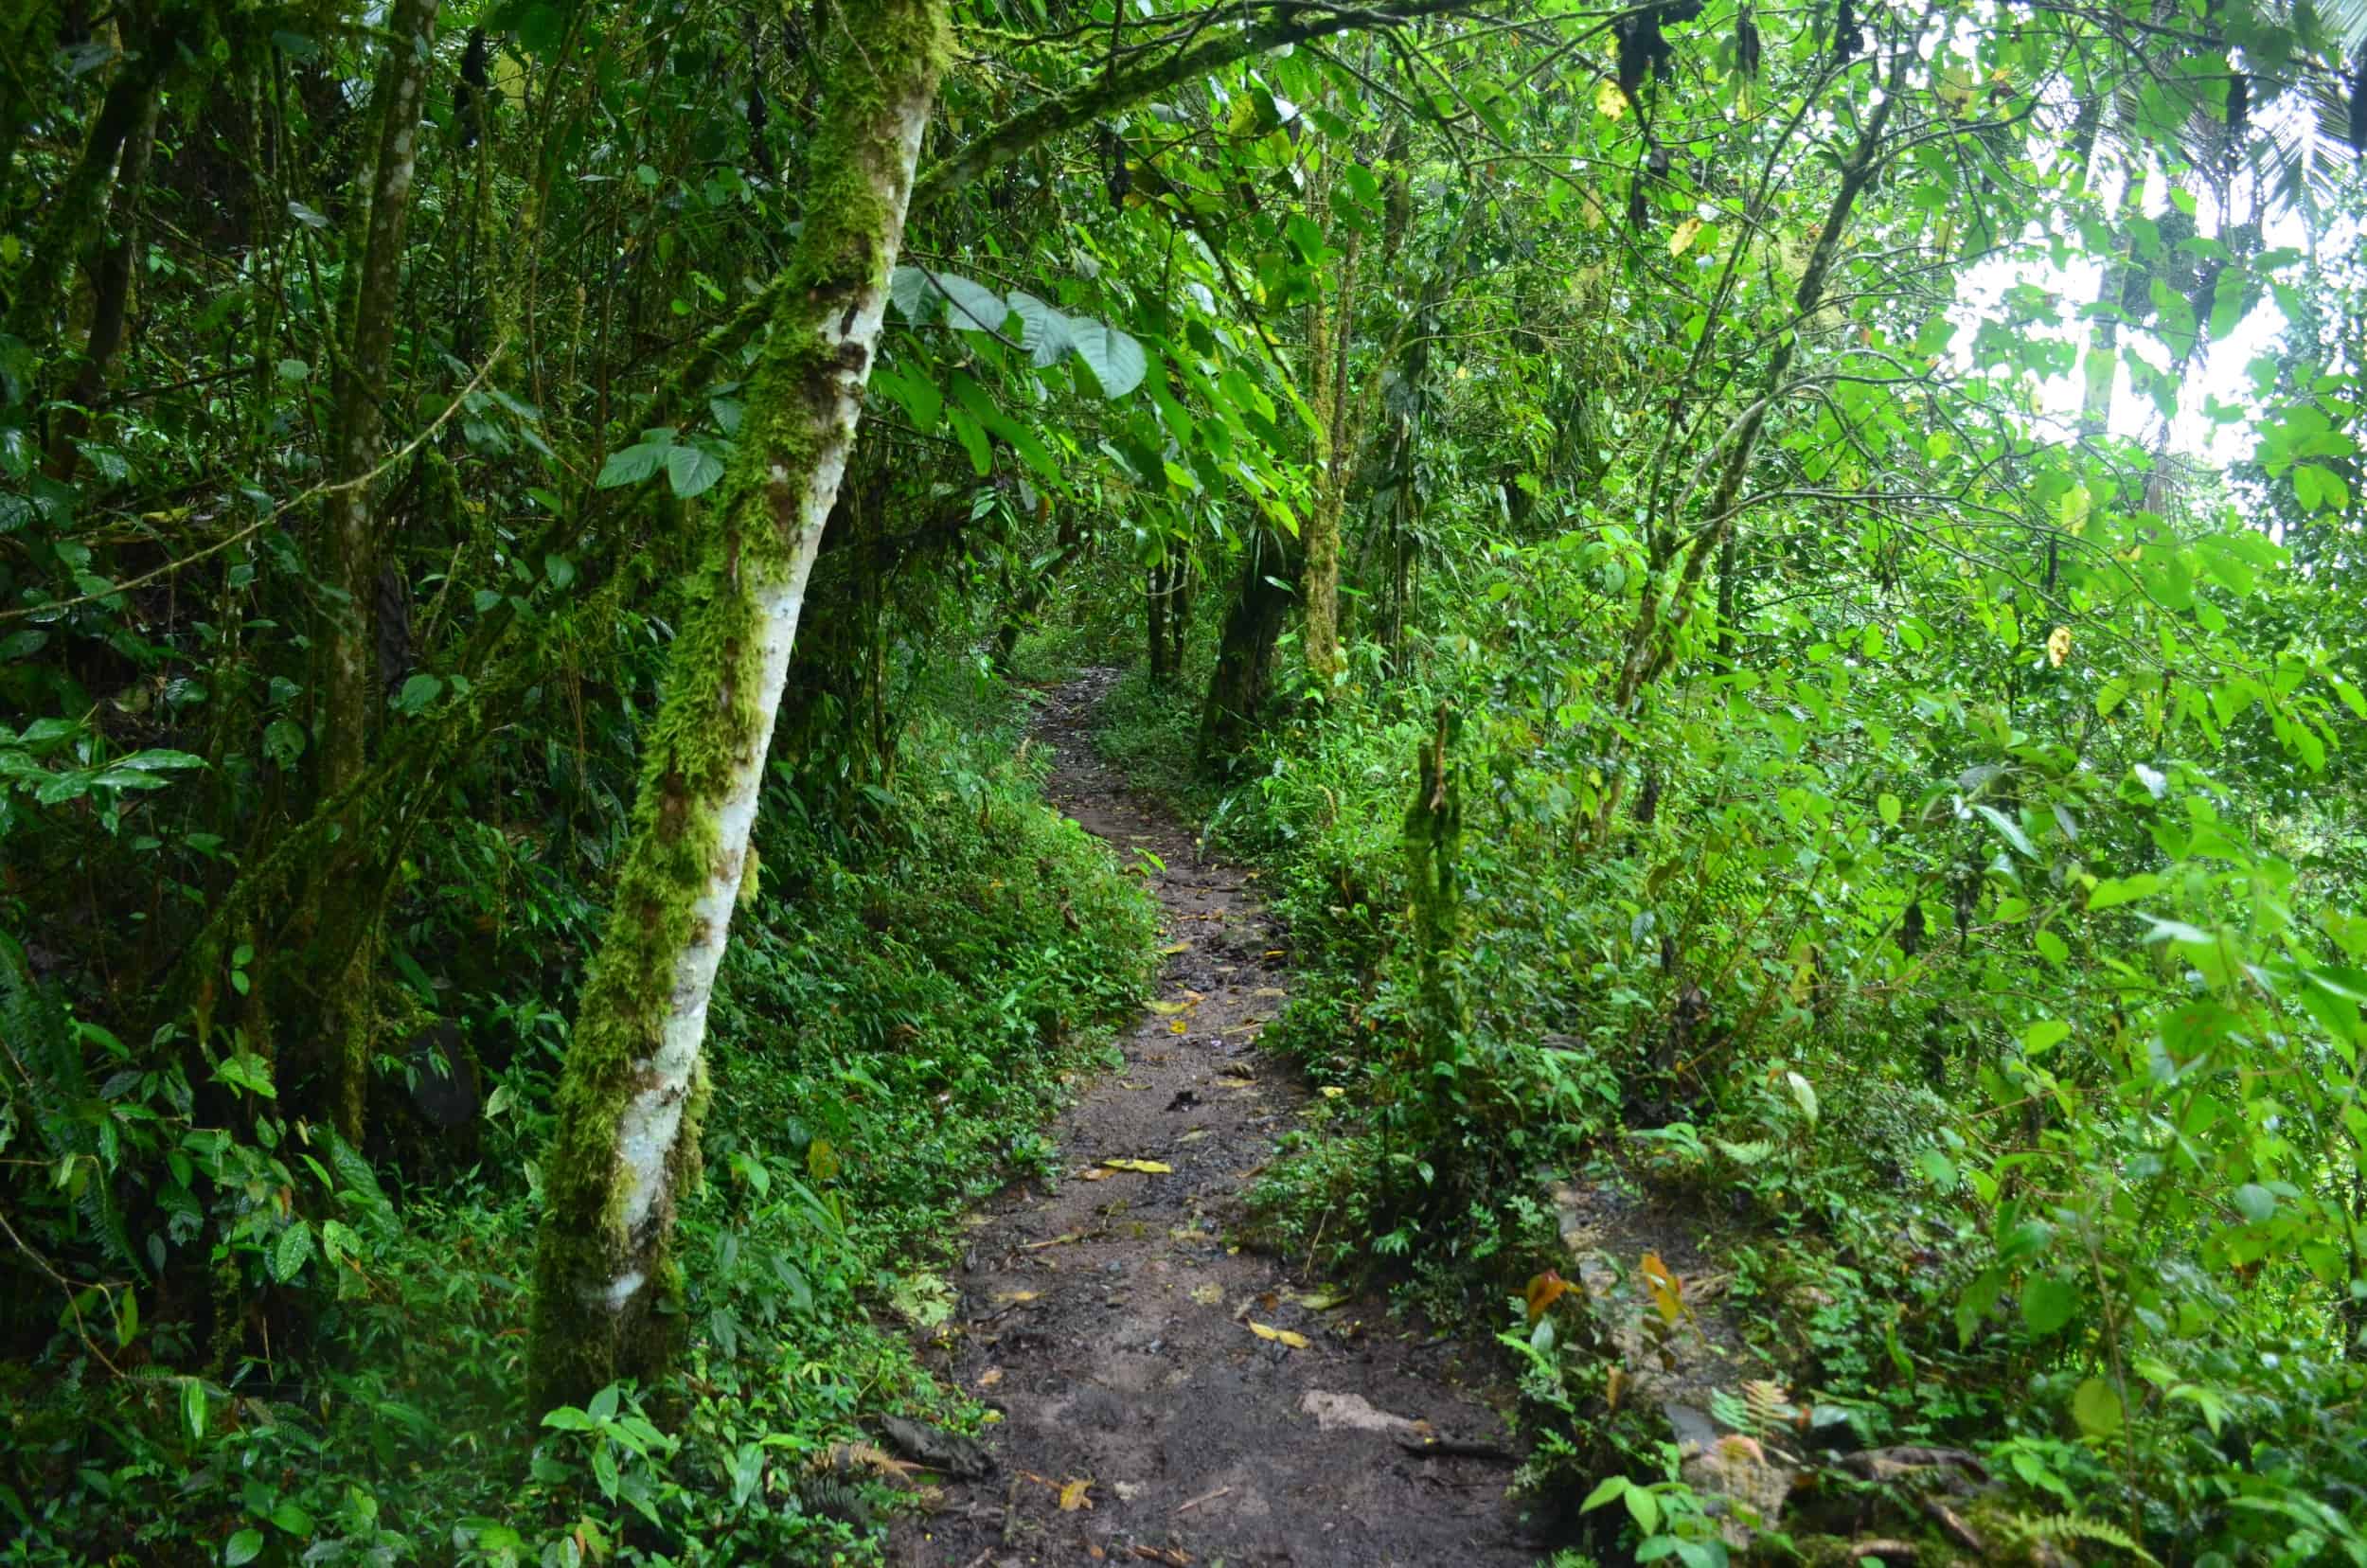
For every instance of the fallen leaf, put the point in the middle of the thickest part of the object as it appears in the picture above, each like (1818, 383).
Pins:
(1170, 1008)
(1280, 1336)
(1171, 1554)
(991, 1375)
(1096, 1174)
(1176, 1028)
(1174, 948)
(1544, 1290)
(1211, 1295)
(1061, 1240)
(1269, 990)
(1667, 1294)
(1072, 1496)
(1145, 1168)
(863, 1456)
(1017, 1295)
(1324, 1301)
(1194, 1135)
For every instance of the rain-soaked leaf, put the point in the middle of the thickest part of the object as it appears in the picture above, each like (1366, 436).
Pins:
(1667, 1294)
(1544, 1290)
(1280, 1336)
(1145, 1168)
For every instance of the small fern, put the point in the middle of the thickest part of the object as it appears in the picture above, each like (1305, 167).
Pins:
(2058, 1529)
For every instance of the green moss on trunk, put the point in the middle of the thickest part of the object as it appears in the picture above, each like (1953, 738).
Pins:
(635, 1088)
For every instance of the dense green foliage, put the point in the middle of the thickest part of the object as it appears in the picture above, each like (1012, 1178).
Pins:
(1779, 590)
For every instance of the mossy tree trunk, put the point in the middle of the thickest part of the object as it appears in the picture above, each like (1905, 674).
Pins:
(349, 683)
(1243, 678)
(111, 274)
(78, 209)
(634, 1087)
(1432, 841)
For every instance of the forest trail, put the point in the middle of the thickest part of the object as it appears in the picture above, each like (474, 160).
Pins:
(1110, 1319)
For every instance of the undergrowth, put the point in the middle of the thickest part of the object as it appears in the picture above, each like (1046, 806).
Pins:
(901, 1006)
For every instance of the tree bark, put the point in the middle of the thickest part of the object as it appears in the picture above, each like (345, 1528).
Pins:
(632, 1094)
(76, 210)
(349, 689)
(111, 295)
(1243, 678)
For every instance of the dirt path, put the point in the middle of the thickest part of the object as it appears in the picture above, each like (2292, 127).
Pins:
(1110, 1319)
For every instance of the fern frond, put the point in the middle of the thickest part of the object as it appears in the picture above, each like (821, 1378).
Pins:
(2063, 1527)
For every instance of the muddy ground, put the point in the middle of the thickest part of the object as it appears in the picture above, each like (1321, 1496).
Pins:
(1112, 1318)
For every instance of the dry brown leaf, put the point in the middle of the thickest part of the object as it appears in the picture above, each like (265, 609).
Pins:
(1280, 1336)
(1072, 1496)
(863, 1456)
(991, 1375)
(1145, 1168)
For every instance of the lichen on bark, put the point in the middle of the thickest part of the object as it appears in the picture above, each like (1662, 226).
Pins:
(634, 1088)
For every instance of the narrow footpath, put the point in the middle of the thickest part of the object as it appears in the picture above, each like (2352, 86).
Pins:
(1166, 1395)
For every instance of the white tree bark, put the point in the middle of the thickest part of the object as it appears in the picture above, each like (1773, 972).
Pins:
(634, 1084)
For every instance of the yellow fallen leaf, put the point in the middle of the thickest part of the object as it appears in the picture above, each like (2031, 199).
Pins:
(1170, 1008)
(1323, 1301)
(1174, 948)
(1269, 990)
(1667, 1293)
(1145, 1168)
(1017, 1295)
(1210, 1294)
(1095, 1175)
(1280, 1336)
(991, 1375)
(1072, 1496)
(1176, 1027)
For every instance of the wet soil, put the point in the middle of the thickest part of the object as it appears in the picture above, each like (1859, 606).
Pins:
(1111, 1316)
